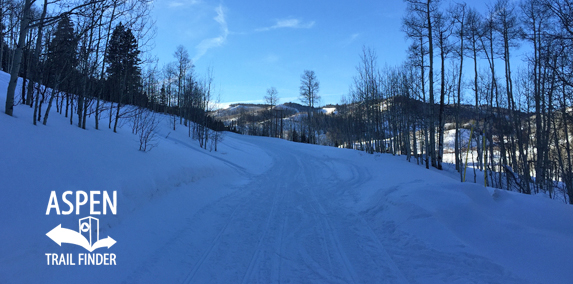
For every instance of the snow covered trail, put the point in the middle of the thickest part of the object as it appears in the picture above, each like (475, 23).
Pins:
(299, 223)
(282, 230)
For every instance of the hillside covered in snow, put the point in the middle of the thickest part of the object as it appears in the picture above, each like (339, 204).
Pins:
(260, 210)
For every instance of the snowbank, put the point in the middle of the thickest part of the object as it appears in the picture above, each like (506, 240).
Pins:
(35, 160)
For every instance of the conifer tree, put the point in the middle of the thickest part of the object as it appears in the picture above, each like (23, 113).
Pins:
(124, 73)
(61, 60)
(62, 54)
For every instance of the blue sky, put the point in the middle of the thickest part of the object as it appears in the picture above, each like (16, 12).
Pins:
(253, 44)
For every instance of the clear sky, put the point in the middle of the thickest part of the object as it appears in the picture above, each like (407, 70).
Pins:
(256, 44)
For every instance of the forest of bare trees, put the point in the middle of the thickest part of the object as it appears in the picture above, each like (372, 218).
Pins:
(464, 76)
(89, 60)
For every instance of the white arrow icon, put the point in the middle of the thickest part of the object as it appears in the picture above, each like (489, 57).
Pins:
(62, 235)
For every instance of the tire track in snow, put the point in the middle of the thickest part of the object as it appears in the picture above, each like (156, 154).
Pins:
(277, 261)
(350, 273)
(327, 227)
(280, 258)
(257, 252)
(217, 239)
(360, 226)
(383, 250)
(323, 235)
(178, 243)
(249, 210)
(361, 176)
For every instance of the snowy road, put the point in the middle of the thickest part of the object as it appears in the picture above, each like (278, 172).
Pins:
(298, 223)
(291, 229)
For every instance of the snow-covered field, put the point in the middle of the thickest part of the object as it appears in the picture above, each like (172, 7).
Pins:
(264, 210)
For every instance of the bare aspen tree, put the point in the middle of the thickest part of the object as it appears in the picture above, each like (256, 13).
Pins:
(170, 74)
(443, 31)
(107, 34)
(426, 10)
(309, 87)
(366, 89)
(459, 15)
(182, 62)
(417, 52)
(18, 57)
(36, 57)
(272, 99)
(472, 32)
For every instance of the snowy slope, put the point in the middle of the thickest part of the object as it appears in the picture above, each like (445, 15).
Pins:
(264, 210)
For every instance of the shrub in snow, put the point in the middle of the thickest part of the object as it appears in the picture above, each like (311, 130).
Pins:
(145, 123)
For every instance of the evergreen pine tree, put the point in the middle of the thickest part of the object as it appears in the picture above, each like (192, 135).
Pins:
(62, 55)
(163, 97)
(124, 73)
